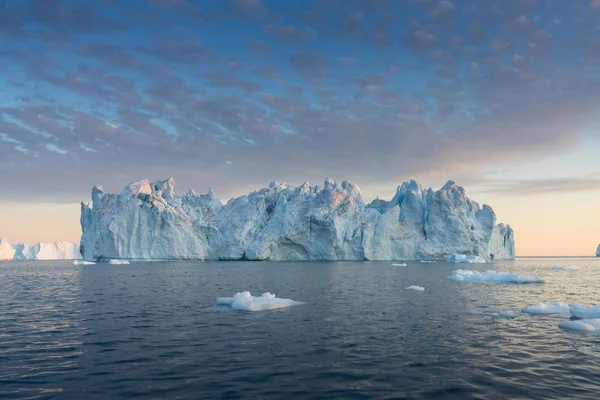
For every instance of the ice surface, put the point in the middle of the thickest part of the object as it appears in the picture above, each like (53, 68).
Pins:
(566, 267)
(81, 262)
(400, 265)
(267, 301)
(465, 275)
(413, 287)
(39, 251)
(554, 307)
(118, 262)
(475, 312)
(582, 325)
(427, 261)
(7, 252)
(148, 220)
(581, 311)
(463, 259)
(508, 314)
(501, 314)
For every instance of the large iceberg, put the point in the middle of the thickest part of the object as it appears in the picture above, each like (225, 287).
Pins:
(39, 251)
(148, 220)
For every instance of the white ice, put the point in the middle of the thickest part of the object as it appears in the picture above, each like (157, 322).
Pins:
(582, 325)
(581, 311)
(246, 302)
(501, 314)
(566, 267)
(399, 265)
(463, 259)
(465, 275)
(414, 287)
(81, 262)
(427, 261)
(118, 262)
(553, 307)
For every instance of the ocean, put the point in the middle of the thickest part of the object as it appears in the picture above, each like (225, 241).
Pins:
(153, 330)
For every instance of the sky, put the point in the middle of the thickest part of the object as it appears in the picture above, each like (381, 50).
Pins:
(500, 96)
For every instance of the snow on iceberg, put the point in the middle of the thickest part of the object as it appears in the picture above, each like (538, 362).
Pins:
(148, 220)
(463, 259)
(581, 311)
(246, 302)
(118, 262)
(414, 287)
(400, 265)
(553, 307)
(81, 262)
(582, 325)
(465, 275)
(566, 267)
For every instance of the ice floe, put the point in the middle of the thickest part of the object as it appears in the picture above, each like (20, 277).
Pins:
(489, 276)
(553, 307)
(427, 261)
(399, 265)
(81, 262)
(582, 325)
(246, 302)
(501, 314)
(566, 267)
(463, 259)
(414, 287)
(581, 311)
(118, 262)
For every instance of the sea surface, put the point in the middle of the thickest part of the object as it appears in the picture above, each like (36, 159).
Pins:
(154, 331)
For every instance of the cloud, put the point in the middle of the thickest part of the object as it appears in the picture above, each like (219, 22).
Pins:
(542, 186)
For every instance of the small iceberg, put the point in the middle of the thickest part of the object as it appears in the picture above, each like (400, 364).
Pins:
(466, 275)
(582, 325)
(246, 302)
(508, 314)
(501, 314)
(566, 267)
(81, 262)
(118, 262)
(414, 287)
(463, 259)
(553, 307)
(399, 265)
(580, 311)
(427, 261)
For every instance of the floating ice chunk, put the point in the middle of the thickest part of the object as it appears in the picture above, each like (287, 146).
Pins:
(489, 276)
(475, 312)
(118, 261)
(427, 262)
(580, 311)
(566, 267)
(582, 325)
(553, 307)
(399, 265)
(245, 301)
(413, 287)
(81, 262)
(507, 314)
(463, 259)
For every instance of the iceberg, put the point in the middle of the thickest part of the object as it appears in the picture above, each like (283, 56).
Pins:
(118, 262)
(554, 307)
(598, 251)
(463, 259)
(413, 287)
(148, 220)
(39, 251)
(582, 325)
(81, 262)
(580, 311)
(246, 302)
(566, 267)
(400, 265)
(465, 275)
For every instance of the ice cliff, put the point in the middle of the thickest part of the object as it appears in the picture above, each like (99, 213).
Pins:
(39, 251)
(148, 220)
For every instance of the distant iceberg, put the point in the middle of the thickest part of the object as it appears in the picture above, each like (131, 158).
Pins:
(81, 262)
(598, 251)
(246, 302)
(118, 262)
(400, 265)
(546, 308)
(39, 251)
(464, 275)
(590, 325)
(463, 259)
(148, 220)
(414, 287)
(566, 268)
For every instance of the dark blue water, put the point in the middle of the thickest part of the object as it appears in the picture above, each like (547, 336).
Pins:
(152, 331)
